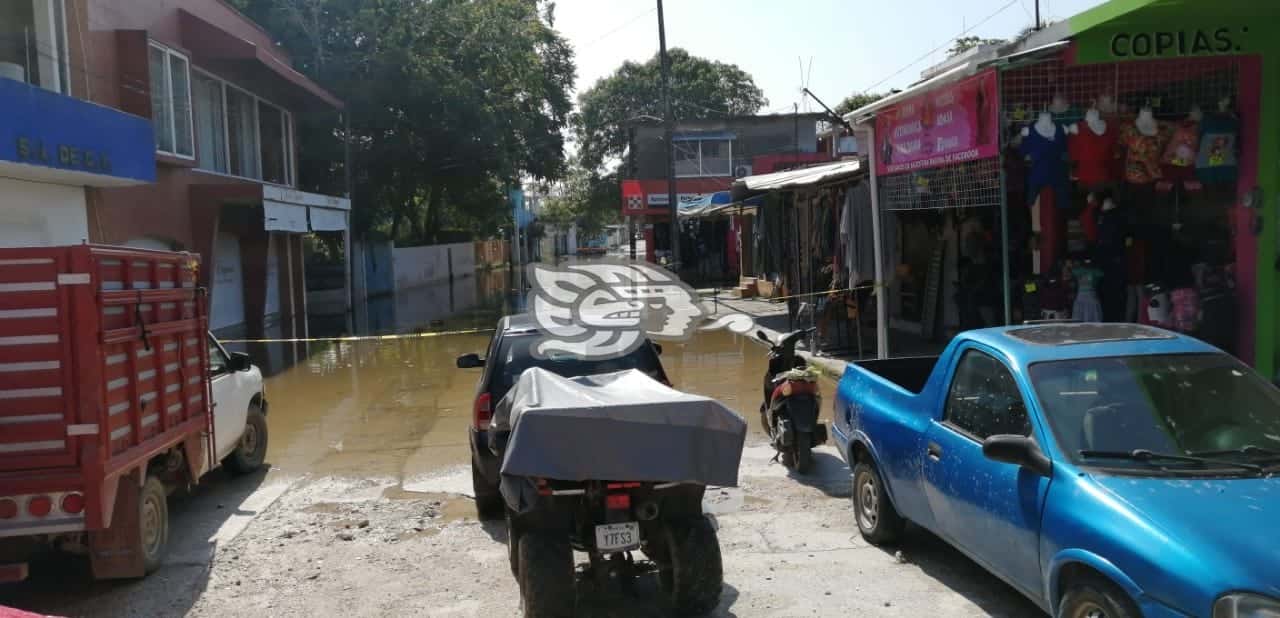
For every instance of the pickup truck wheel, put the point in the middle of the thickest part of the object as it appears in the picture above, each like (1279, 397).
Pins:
(546, 575)
(695, 576)
(489, 504)
(251, 451)
(153, 524)
(878, 521)
(1094, 597)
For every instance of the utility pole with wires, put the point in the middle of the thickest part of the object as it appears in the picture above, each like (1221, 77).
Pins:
(670, 121)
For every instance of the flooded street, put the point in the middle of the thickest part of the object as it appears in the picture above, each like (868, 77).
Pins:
(366, 510)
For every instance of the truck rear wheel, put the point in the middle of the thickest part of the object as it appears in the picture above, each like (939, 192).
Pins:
(153, 524)
(695, 575)
(878, 521)
(546, 575)
(251, 451)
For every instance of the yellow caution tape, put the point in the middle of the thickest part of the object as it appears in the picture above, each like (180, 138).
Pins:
(808, 294)
(424, 335)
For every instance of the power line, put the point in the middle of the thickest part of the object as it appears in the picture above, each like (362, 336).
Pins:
(624, 24)
(944, 44)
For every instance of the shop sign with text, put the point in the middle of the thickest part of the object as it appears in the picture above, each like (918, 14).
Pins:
(1168, 41)
(949, 124)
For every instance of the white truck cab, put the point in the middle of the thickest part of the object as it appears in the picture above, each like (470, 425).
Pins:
(239, 409)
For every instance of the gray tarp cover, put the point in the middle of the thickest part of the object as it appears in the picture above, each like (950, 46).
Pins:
(622, 426)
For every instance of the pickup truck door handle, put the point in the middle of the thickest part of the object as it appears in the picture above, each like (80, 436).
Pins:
(935, 451)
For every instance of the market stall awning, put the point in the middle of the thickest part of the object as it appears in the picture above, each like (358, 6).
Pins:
(797, 178)
(722, 206)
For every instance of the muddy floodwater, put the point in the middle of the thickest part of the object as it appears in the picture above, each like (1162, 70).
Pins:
(365, 508)
(399, 408)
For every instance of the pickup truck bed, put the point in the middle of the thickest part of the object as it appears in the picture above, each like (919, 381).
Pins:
(909, 372)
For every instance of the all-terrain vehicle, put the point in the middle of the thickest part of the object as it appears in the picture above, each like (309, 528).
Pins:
(607, 465)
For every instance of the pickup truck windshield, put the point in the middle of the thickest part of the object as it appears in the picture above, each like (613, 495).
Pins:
(1178, 404)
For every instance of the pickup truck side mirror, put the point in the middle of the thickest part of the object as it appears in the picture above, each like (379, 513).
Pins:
(240, 361)
(1017, 450)
(470, 361)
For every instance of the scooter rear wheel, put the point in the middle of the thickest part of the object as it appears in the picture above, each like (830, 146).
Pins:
(803, 451)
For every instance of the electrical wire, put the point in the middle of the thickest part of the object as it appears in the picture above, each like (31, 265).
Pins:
(967, 30)
(624, 24)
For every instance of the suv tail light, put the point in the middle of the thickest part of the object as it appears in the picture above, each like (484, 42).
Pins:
(483, 411)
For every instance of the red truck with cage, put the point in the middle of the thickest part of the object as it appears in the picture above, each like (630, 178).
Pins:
(104, 401)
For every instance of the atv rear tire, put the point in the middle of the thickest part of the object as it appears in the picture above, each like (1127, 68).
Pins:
(546, 575)
(694, 577)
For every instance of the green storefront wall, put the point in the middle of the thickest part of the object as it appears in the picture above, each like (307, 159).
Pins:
(1129, 30)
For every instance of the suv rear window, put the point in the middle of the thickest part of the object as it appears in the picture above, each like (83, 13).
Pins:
(514, 358)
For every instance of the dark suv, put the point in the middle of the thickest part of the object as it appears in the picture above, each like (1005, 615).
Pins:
(508, 357)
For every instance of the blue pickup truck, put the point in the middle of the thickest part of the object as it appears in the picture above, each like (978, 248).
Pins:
(1103, 470)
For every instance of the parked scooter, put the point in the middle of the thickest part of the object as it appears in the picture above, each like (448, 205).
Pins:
(789, 412)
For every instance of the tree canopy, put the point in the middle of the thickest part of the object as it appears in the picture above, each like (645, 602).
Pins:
(449, 102)
(858, 99)
(700, 89)
(966, 43)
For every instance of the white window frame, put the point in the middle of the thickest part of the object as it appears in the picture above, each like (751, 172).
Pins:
(173, 115)
(702, 171)
(289, 172)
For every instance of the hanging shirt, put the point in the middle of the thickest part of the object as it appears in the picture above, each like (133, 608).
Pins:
(1047, 167)
(857, 234)
(1093, 154)
(1142, 157)
(1086, 277)
(1216, 159)
(1183, 145)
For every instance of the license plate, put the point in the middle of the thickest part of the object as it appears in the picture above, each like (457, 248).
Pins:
(618, 537)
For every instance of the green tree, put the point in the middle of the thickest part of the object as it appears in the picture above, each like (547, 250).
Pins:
(857, 100)
(700, 89)
(966, 43)
(449, 101)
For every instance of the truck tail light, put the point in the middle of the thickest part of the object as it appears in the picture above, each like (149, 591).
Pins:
(39, 506)
(618, 502)
(72, 503)
(483, 411)
(8, 509)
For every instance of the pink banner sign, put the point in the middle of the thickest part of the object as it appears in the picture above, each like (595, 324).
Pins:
(950, 124)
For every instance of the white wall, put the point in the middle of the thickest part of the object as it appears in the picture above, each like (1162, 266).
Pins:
(415, 266)
(227, 305)
(35, 214)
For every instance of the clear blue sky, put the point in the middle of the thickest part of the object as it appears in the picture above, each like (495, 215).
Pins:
(853, 44)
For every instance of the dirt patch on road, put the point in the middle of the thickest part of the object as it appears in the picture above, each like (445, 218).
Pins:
(336, 547)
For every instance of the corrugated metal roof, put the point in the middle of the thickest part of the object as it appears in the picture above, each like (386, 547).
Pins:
(803, 177)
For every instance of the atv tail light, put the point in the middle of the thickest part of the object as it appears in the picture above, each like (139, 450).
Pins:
(72, 503)
(483, 411)
(8, 509)
(39, 506)
(618, 502)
